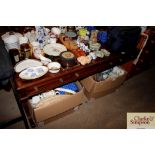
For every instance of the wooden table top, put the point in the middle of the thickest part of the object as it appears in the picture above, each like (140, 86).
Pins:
(28, 88)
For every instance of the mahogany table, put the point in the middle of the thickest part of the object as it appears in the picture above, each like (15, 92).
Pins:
(25, 89)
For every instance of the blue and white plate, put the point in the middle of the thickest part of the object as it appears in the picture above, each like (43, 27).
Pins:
(33, 73)
(24, 64)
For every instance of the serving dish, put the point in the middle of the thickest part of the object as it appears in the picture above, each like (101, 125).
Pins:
(22, 65)
(54, 49)
(33, 73)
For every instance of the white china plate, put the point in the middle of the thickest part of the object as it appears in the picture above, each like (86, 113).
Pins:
(33, 72)
(54, 49)
(22, 65)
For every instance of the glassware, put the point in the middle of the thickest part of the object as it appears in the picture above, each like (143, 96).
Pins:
(14, 55)
(25, 51)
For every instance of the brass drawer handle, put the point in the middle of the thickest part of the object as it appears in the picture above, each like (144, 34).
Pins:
(61, 80)
(110, 63)
(77, 74)
(146, 51)
(36, 88)
(120, 60)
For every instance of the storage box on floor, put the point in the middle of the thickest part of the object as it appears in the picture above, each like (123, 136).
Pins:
(52, 106)
(94, 89)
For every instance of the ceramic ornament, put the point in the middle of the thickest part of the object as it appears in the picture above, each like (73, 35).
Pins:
(56, 31)
(40, 32)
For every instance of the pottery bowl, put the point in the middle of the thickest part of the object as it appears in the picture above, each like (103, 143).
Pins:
(54, 67)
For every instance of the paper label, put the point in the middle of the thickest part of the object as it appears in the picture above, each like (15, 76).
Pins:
(27, 54)
(16, 58)
(141, 120)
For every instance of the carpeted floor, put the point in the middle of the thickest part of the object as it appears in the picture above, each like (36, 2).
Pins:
(108, 112)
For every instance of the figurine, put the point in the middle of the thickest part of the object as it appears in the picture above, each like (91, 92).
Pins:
(40, 32)
(83, 35)
(93, 37)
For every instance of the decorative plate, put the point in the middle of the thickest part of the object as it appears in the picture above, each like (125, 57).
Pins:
(54, 49)
(70, 34)
(22, 65)
(33, 73)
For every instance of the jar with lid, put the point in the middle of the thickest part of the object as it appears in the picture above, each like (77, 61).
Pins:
(14, 55)
(25, 51)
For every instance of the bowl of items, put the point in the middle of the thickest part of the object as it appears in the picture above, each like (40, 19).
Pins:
(54, 67)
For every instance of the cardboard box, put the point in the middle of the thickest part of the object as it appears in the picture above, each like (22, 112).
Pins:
(94, 89)
(53, 106)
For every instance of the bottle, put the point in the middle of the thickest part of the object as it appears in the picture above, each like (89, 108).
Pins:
(25, 51)
(14, 55)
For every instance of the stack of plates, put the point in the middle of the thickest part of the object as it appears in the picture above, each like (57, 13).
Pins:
(11, 41)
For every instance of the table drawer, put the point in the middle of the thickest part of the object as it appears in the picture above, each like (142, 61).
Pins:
(48, 85)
